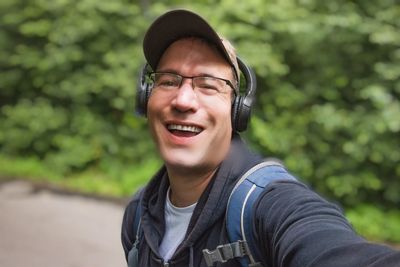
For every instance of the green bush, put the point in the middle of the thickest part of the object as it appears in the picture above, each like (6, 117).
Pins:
(375, 223)
(68, 92)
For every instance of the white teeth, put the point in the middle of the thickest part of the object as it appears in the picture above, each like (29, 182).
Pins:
(186, 128)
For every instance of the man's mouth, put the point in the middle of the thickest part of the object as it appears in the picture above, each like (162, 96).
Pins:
(184, 130)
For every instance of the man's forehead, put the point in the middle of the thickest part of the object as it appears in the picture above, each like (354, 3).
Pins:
(195, 47)
(195, 43)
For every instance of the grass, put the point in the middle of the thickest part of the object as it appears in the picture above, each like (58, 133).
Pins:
(120, 181)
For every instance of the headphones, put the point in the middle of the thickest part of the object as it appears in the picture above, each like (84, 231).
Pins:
(241, 106)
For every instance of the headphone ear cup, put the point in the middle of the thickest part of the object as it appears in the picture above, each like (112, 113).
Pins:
(240, 114)
(241, 109)
(235, 112)
(139, 103)
(143, 92)
(142, 97)
(243, 115)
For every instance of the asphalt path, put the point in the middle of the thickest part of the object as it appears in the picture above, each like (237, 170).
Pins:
(44, 228)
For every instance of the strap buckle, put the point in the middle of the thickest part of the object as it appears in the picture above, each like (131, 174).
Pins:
(225, 252)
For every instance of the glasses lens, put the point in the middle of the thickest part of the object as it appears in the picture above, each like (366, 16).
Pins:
(166, 80)
(209, 85)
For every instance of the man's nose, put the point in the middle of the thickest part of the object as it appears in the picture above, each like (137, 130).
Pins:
(186, 98)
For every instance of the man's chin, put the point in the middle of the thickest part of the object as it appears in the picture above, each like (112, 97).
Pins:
(186, 165)
(180, 164)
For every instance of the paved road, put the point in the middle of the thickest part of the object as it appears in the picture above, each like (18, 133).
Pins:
(42, 228)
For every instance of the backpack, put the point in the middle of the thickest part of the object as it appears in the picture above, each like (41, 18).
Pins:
(238, 217)
(239, 224)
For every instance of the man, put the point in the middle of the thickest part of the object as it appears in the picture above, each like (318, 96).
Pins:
(189, 110)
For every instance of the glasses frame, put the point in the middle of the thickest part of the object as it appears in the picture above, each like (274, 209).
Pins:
(182, 77)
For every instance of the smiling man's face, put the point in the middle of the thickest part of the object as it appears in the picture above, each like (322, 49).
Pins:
(192, 131)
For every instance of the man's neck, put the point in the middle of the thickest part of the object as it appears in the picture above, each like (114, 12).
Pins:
(186, 189)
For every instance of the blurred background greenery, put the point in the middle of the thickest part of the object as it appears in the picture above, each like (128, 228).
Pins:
(327, 101)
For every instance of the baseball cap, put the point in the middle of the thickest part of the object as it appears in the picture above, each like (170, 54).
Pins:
(180, 23)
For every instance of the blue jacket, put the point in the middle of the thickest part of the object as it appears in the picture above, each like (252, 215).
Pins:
(294, 226)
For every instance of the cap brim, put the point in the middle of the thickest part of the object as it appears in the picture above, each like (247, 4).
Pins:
(175, 25)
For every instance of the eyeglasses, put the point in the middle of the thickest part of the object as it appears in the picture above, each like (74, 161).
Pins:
(204, 85)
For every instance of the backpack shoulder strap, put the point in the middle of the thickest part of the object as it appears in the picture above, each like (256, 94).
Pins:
(133, 255)
(240, 205)
(239, 214)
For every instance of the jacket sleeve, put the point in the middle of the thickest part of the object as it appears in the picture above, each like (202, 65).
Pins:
(297, 228)
(127, 232)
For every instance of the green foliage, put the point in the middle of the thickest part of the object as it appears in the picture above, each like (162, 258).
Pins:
(69, 80)
(327, 101)
(375, 223)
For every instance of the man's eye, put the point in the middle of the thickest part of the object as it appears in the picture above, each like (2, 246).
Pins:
(208, 86)
(167, 83)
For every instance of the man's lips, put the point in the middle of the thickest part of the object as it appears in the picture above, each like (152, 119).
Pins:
(184, 130)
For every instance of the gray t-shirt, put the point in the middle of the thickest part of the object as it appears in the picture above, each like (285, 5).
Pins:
(176, 224)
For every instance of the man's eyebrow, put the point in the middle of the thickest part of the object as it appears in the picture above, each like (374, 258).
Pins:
(167, 70)
(202, 74)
